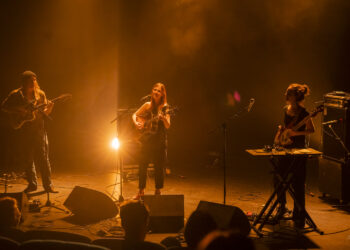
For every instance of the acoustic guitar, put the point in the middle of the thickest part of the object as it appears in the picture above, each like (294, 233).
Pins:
(18, 119)
(150, 124)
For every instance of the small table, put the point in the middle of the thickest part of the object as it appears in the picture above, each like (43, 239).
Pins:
(284, 184)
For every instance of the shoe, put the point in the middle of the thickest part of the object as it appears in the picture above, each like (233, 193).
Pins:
(51, 190)
(299, 223)
(280, 213)
(157, 192)
(139, 195)
(30, 188)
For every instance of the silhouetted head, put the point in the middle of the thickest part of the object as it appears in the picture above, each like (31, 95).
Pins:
(9, 212)
(134, 217)
(222, 240)
(199, 224)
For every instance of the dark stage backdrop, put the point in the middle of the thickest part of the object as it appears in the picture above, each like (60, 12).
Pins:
(213, 56)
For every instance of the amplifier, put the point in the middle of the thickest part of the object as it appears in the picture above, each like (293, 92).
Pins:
(337, 99)
(334, 178)
(336, 107)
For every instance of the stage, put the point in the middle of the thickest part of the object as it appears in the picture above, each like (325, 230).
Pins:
(248, 187)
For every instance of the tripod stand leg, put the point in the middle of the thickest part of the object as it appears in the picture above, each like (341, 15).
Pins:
(309, 221)
(280, 190)
(51, 205)
(312, 224)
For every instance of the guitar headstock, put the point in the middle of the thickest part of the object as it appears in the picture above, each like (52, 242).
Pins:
(64, 97)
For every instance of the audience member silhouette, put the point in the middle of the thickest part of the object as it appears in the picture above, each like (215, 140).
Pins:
(10, 217)
(135, 218)
(199, 224)
(222, 240)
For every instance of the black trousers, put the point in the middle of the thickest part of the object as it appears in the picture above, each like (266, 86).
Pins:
(152, 153)
(298, 169)
(35, 156)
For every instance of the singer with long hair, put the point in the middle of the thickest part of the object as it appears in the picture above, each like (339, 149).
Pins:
(152, 119)
(34, 143)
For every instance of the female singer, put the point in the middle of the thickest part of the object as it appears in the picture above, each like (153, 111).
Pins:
(153, 120)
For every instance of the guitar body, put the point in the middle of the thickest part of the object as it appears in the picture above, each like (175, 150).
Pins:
(284, 139)
(19, 119)
(151, 123)
(149, 128)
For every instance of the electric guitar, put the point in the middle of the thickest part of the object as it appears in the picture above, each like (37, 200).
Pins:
(18, 119)
(283, 137)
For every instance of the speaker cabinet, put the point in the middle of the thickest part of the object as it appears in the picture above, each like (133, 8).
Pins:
(166, 212)
(331, 147)
(334, 178)
(90, 204)
(226, 217)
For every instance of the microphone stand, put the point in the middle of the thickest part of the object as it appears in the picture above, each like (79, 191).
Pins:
(119, 157)
(337, 138)
(223, 127)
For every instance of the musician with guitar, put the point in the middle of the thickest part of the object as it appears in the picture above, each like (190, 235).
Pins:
(152, 119)
(20, 105)
(297, 124)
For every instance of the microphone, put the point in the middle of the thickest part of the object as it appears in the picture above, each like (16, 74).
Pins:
(251, 103)
(332, 121)
(145, 98)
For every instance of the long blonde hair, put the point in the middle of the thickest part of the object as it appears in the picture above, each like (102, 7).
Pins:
(163, 100)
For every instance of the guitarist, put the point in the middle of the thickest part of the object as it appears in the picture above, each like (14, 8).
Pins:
(153, 120)
(34, 143)
(295, 112)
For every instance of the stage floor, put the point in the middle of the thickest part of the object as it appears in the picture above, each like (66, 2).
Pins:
(248, 187)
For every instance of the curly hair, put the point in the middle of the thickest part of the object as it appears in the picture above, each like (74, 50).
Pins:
(9, 212)
(297, 90)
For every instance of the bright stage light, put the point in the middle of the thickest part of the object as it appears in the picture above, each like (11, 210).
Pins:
(115, 143)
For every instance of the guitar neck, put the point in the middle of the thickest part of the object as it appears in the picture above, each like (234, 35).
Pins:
(45, 104)
(301, 123)
(56, 99)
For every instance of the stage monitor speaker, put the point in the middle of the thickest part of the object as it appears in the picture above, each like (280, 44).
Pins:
(332, 147)
(226, 217)
(22, 202)
(334, 178)
(166, 213)
(90, 204)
